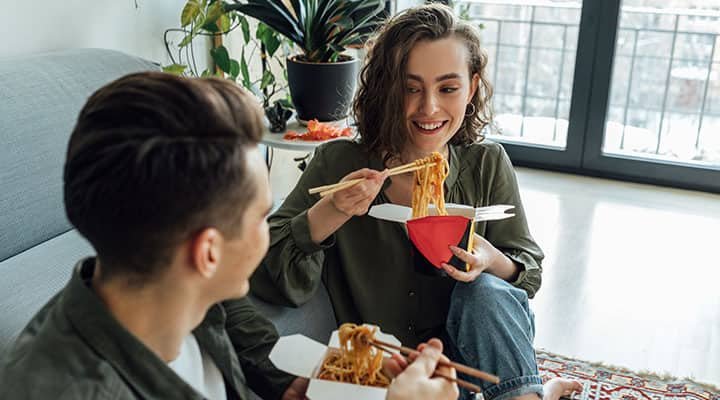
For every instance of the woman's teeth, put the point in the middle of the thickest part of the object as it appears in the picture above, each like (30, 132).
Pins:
(430, 127)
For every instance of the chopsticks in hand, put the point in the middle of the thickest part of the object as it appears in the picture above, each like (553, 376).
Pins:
(458, 367)
(336, 187)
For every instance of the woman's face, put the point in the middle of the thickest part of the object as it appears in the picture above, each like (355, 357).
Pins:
(438, 90)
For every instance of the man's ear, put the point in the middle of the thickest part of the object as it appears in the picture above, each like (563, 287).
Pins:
(206, 251)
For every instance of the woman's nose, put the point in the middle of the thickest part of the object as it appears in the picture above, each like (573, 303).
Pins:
(429, 104)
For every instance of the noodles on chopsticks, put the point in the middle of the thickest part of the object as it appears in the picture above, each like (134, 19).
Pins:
(429, 184)
(357, 361)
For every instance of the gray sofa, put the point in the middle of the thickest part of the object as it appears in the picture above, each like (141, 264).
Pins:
(40, 97)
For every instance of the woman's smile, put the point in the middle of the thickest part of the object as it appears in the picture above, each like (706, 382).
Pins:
(429, 127)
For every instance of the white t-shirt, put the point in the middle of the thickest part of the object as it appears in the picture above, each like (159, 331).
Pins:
(198, 370)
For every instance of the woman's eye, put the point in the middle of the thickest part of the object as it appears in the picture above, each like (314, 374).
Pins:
(412, 90)
(448, 89)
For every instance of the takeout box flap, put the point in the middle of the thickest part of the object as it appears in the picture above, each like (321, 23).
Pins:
(398, 213)
(391, 212)
(320, 389)
(297, 354)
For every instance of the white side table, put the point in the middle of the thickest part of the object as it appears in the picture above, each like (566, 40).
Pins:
(275, 140)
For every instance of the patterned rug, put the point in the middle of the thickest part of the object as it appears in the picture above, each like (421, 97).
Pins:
(602, 382)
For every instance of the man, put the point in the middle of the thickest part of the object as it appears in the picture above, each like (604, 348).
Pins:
(164, 179)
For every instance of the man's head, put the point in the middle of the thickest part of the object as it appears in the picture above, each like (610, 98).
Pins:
(163, 170)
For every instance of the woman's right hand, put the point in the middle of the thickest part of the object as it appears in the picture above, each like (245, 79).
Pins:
(356, 200)
(416, 381)
(332, 211)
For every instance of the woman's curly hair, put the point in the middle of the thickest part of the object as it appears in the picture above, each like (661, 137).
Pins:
(379, 105)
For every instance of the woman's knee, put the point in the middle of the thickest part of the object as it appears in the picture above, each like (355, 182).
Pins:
(488, 300)
(489, 289)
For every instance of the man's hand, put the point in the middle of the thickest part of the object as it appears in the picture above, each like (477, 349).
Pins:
(297, 389)
(417, 383)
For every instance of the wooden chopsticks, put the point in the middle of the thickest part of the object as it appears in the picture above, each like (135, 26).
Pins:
(330, 189)
(459, 367)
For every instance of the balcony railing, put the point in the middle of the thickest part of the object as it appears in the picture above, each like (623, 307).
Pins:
(665, 91)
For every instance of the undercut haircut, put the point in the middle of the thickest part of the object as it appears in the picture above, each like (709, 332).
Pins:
(154, 159)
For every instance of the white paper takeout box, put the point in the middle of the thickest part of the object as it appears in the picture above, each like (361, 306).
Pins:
(402, 214)
(302, 356)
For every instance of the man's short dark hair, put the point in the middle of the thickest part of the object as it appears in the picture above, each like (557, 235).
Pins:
(154, 159)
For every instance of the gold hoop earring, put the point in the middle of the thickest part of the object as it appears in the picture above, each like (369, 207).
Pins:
(467, 114)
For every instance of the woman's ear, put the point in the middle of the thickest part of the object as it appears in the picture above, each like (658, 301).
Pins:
(206, 251)
(474, 83)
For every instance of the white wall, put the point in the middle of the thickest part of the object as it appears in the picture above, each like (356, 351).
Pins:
(29, 26)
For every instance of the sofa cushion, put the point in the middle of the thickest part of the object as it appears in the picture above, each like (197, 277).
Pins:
(32, 277)
(40, 98)
(314, 319)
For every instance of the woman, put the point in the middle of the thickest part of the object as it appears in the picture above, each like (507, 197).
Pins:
(423, 89)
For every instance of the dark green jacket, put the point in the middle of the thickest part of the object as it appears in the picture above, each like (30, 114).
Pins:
(75, 349)
(367, 264)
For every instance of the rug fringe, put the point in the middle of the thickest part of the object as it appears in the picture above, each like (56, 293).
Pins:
(643, 373)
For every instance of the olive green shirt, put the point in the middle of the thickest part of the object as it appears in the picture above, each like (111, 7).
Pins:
(367, 264)
(73, 348)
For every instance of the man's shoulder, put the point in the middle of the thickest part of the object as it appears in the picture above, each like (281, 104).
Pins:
(75, 388)
(44, 372)
(50, 360)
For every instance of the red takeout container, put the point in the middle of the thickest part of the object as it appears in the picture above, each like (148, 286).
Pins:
(432, 236)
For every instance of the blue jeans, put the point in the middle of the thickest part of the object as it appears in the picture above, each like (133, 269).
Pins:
(490, 327)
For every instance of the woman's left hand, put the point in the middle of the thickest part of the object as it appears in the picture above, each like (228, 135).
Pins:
(481, 259)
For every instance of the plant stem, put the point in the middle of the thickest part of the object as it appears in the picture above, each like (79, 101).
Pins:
(263, 56)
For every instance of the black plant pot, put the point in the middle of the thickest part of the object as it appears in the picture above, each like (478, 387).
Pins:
(322, 91)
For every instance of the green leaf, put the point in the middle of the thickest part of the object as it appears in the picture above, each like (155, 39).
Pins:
(268, 37)
(260, 31)
(271, 43)
(287, 103)
(190, 36)
(274, 14)
(215, 11)
(313, 24)
(344, 23)
(234, 69)
(267, 79)
(225, 23)
(245, 72)
(186, 40)
(245, 26)
(189, 12)
(211, 26)
(176, 69)
(221, 58)
(206, 73)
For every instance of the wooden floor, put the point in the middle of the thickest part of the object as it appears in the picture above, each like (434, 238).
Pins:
(632, 272)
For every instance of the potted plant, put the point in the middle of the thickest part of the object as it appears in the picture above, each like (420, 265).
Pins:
(208, 19)
(321, 79)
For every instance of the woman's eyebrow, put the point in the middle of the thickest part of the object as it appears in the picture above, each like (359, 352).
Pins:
(452, 75)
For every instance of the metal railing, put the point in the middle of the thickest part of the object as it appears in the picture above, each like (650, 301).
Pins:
(525, 15)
